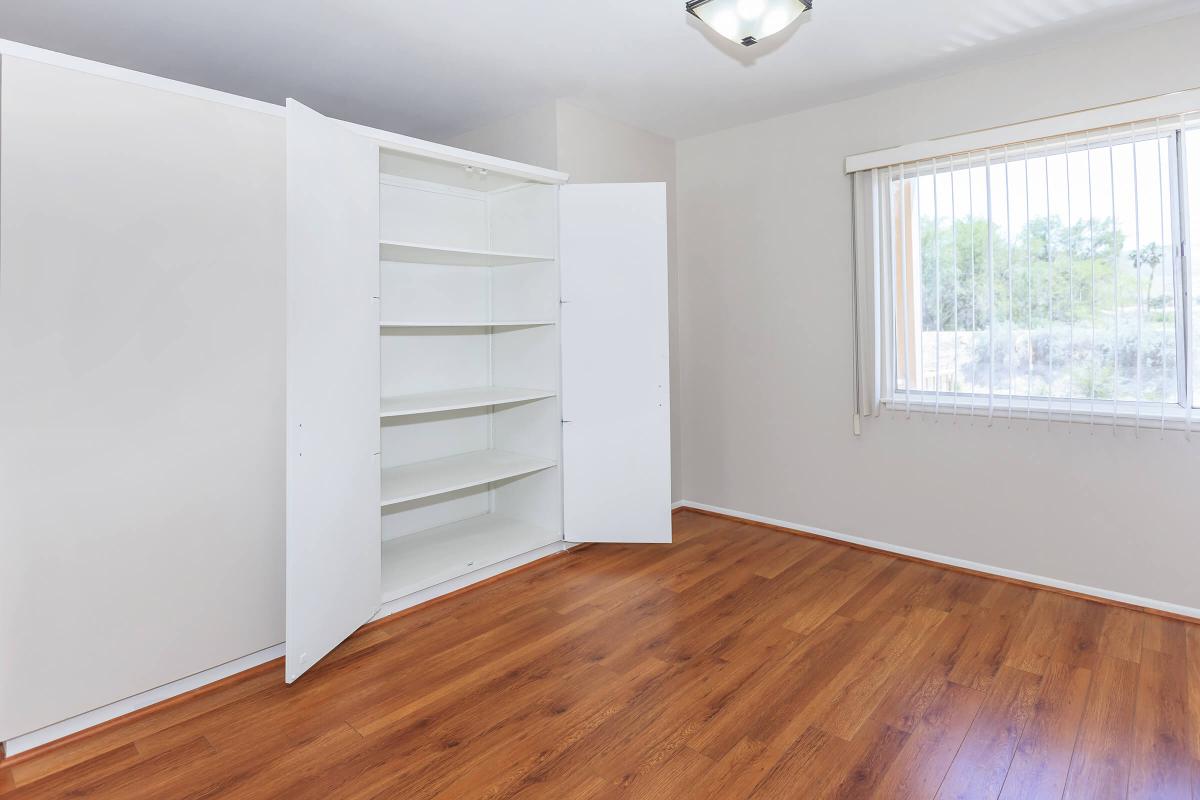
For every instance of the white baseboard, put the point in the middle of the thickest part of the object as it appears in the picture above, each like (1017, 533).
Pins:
(96, 716)
(1041, 580)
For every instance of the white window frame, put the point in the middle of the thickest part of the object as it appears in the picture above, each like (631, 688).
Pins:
(1145, 413)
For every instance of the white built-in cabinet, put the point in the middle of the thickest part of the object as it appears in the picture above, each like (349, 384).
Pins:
(477, 371)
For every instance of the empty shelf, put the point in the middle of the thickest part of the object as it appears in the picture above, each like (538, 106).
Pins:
(425, 254)
(441, 475)
(420, 560)
(454, 399)
(466, 324)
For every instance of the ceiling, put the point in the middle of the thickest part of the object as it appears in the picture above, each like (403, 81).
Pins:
(434, 69)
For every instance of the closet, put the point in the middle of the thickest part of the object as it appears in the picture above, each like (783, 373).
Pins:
(477, 371)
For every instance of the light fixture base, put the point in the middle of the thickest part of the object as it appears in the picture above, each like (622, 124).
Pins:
(747, 22)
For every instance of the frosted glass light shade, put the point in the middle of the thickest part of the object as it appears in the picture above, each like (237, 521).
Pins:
(748, 21)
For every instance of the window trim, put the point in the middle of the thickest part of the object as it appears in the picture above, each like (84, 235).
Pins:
(1181, 258)
(1152, 416)
(1174, 104)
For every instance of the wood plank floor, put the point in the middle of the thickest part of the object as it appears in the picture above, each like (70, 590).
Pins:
(737, 662)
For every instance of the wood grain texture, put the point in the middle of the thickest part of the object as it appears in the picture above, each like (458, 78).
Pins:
(735, 663)
(1104, 743)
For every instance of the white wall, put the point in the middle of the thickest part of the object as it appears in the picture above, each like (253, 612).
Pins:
(142, 409)
(530, 137)
(764, 244)
(596, 149)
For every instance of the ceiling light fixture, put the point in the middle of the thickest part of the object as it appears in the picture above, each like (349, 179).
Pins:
(748, 21)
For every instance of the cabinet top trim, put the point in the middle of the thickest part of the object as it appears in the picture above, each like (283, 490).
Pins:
(18, 50)
(385, 139)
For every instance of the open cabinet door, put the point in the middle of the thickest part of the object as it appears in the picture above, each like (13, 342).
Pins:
(333, 522)
(616, 390)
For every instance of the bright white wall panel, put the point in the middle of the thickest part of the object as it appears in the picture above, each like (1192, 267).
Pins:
(433, 359)
(433, 292)
(533, 429)
(527, 356)
(524, 219)
(525, 291)
(407, 440)
(535, 499)
(141, 416)
(417, 213)
(403, 519)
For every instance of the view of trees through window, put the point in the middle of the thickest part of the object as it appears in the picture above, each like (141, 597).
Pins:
(1043, 273)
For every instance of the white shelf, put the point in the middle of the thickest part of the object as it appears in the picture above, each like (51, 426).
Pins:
(455, 399)
(441, 475)
(420, 560)
(450, 256)
(467, 324)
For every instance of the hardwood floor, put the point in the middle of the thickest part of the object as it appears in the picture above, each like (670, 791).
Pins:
(738, 662)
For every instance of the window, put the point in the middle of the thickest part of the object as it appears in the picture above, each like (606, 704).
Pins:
(1044, 278)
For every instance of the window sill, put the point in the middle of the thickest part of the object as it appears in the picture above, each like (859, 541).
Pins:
(1153, 416)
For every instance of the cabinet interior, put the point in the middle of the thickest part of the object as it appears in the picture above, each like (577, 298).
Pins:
(470, 421)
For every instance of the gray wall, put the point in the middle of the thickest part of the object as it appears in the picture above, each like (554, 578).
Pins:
(764, 244)
(530, 137)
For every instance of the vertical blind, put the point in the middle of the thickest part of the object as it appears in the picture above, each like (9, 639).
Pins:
(1040, 280)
